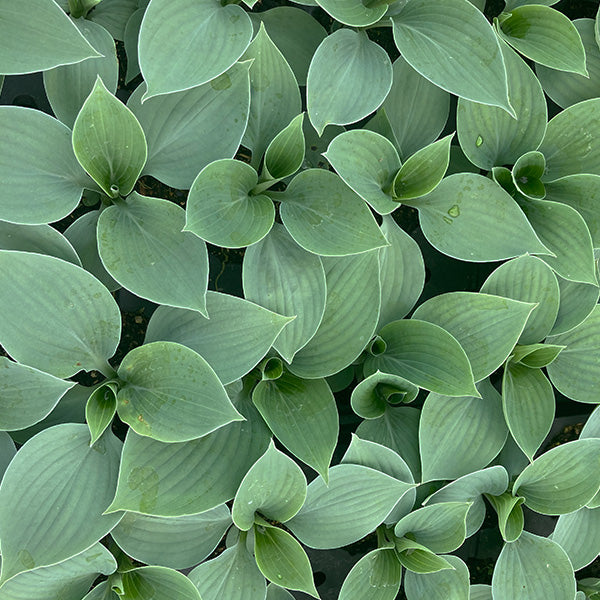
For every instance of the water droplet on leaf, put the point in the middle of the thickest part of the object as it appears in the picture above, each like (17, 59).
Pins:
(479, 141)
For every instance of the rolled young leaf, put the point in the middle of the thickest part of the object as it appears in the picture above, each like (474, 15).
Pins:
(100, 410)
(109, 142)
(164, 583)
(510, 515)
(527, 173)
(285, 154)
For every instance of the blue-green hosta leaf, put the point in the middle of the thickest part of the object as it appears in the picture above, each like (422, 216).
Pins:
(223, 210)
(544, 35)
(82, 236)
(141, 245)
(451, 43)
(175, 542)
(187, 130)
(109, 142)
(7, 451)
(375, 576)
(440, 527)
(571, 143)
(39, 38)
(349, 77)
(527, 173)
(384, 459)
(349, 320)
(354, 503)
(158, 583)
(592, 425)
(536, 355)
(417, 558)
(326, 218)
(275, 487)
(371, 397)
(533, 568)
(576, 370)
(131, 36)
(53, 495)
(103, 591)
(577, 300)
(470, 488)
(402, 273)
(68, 86)
(170, 393)
(486, 326)
(397, 429)
(449, 425)
(295, 32)
(488, 135)
(416, 108)
(282, 559)
(581, 192)
(368, 163)
(510, 515)
(62, 319)
(569, 88)
(42, 239)
(274, 94)
(233, 575)
(172, 37)
(114, 14)
(234, 339)
(173, 480)
(448, 584)
(283, 277)
(426, 355)
(354, 12)
(37, 162)
(285, 154)
(456, 222)
(67, 580)
(100, 410)
(422, 172)
(511, 4)
(563, 479)
(528, 279)
(563, 230)
(578, 534)
(303, 416)
(528, 405)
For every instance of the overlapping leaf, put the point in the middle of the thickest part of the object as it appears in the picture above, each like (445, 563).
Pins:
(449, 583)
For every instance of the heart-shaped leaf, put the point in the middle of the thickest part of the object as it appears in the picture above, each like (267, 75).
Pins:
(375, 576)
(441, 585)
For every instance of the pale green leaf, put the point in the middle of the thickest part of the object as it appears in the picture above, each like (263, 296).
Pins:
(354, 12)
(368, 163)
(528, 279)
(526, 175)
(275, 487)
(158, 583)
(488, 135)
(449, 584)
(174, 36)
(303, 416)
(451, 43)
(102, 591)
(114, 14)
(487, 327)
(68, 86)
(233, 575)
(510, 515)
(131, 36)
(426, 355)
(234, 339)
(536, 355)
(544, 35)
(577, 534)
(39, 38)
(592, 425)
(37, 162)
(109, 142)
(569, 88)
(349, 320)
(53, 495)
(533, 568)
(417, 558)
(416, 108)
(571, 143)
(354, 503)
(457, 223)
(528, 405)
(576, 370)
(186, 478)
(188, 130)
(274, 94)
(223, 210)
(142, 245)
(577, 300)
(283, 277)
(375, 576)
(563, 479)
(285, 154)
(100, 410)
(349, 77)
(62, 319)
(282, 559)
(7, 451)
(175, 542)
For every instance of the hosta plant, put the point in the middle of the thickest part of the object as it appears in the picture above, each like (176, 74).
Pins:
(363, 235)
